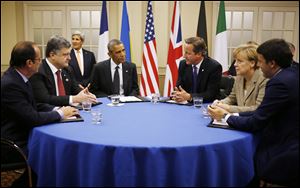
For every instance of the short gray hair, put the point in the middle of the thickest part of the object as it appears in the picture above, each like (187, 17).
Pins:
(112, 43)
(56, 43)
(81, 35)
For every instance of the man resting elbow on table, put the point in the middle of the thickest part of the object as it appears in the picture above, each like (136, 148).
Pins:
(54, 83)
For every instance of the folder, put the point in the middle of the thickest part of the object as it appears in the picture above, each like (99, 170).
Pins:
(72, 119)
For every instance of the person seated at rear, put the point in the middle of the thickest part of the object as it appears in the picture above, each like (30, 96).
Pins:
(115, 75)
(54, 83)
(82, 60)
(249, 86)
(198, 74)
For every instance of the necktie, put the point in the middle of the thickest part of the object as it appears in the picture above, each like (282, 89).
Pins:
(60, 84)
(79, 61)
(194, 79)
(116, 83)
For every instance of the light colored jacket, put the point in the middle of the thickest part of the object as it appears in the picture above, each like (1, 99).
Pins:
(238, 101)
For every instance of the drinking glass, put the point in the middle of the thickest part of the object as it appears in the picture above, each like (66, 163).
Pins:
(198, 101)
(155, 98)
(96, 117)
(115, 99)
(86, 106)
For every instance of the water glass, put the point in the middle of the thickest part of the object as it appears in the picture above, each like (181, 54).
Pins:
(115, 99)
(205, 112)
(155, 97)
(96, 117)
(86, 106)
(198, 101)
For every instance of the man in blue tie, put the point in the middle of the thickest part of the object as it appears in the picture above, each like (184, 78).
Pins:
(198, 74)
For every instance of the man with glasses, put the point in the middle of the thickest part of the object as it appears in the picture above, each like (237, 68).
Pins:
(19, 111)
(54, 83)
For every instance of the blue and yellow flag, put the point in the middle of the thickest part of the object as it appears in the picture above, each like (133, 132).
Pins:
(125, 32)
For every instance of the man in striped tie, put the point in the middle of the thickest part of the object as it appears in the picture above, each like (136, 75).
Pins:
(115, 75)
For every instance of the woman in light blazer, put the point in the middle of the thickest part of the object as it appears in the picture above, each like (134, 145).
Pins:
(249, 86)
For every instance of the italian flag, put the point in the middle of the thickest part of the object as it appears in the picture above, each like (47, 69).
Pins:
(221, 52)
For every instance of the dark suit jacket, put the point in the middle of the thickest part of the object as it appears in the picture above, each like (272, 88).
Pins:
(44, 90)
(101, 81)
(18, 109)
(88, 61)
(276, 157)
(208, 80)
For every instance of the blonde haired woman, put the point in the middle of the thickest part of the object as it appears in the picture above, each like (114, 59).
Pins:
(249, 86)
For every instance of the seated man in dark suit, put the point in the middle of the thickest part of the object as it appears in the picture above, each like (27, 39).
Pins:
(54, 83)
(19, 111)
(115, 75)
(82, 60)
(277, 154)
(198, 75)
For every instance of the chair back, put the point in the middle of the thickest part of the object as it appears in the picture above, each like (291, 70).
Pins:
(13, 163)
(226, 86)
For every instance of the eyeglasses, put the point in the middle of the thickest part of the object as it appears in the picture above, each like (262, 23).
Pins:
(39, 59)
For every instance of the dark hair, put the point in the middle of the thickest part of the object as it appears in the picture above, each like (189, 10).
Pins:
(198, 44)
(55, 44)
(21, 52)
(277, 50)
(112, 43)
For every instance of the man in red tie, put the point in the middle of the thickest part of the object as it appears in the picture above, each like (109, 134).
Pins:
(54, 83)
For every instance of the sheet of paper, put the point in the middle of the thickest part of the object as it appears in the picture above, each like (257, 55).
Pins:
(172, 101)
(129, 99)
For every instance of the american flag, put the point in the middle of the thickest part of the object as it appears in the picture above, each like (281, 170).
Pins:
(149, 80)
(175, 52)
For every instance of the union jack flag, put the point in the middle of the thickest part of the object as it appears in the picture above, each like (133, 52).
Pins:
(149, 79)
(175, 52)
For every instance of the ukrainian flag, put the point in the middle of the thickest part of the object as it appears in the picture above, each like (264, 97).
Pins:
(125, 32)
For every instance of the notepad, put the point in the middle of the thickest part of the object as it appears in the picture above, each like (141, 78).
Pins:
(219, 124)
(72, 119)
(170, 101)
(130, 99)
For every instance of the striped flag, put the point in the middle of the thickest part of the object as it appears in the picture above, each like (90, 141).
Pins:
(221, 51)
(149, 79)
(201, 29)
(103, 35)
(175, 52)
(125, 32)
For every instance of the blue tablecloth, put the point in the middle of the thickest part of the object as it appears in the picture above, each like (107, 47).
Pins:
(141, 144)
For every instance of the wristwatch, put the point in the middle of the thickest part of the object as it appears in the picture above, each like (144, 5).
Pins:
(224, 115)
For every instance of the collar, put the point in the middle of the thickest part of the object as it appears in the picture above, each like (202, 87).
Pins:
(23, 77)
(113, 64)
(80, 51)
(52, 67)
(199, 64)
